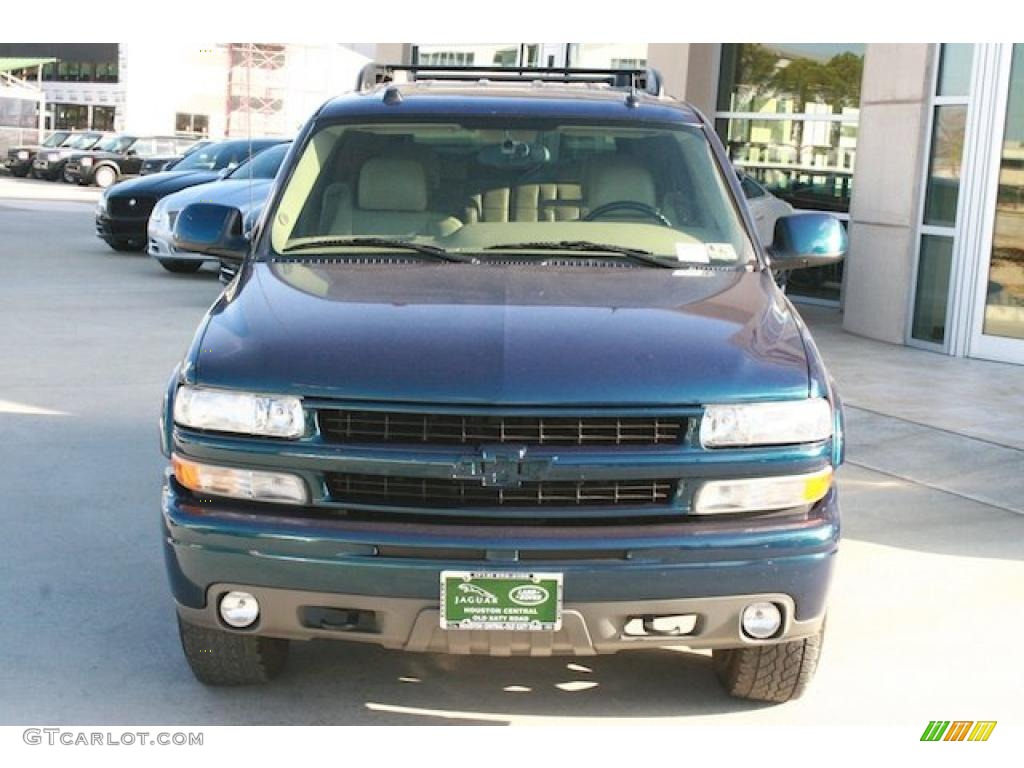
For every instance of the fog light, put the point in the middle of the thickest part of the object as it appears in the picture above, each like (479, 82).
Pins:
(761, 620)
(239, 609)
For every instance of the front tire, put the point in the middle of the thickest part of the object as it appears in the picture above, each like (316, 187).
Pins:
(67, 177)
(105, 176)
(181, 266)
(224, 658)
(774, 673)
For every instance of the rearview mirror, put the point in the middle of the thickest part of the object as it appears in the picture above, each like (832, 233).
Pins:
(807, 240)
(214, 230)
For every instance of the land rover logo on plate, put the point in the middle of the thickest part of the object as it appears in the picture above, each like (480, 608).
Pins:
(528, 594)
(506, 601)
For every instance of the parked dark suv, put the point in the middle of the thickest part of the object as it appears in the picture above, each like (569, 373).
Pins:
(120, 157)
(19, 159)
(167, 162)
(123, 210)
(49, 164)
(504, 370)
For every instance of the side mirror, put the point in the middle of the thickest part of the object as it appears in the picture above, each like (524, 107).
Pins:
(215, 230)
(807, 240)
(130, 153)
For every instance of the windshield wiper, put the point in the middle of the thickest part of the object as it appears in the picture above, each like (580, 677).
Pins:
(433, 251)
(585, 246)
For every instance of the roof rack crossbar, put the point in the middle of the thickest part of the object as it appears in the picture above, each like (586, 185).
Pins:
(646, 80)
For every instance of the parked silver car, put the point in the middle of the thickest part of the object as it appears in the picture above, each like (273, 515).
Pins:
(246, 188)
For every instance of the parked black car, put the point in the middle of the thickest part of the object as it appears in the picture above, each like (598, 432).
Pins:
(120, 157)
(167, 162)
(49, 164)
(123, 211)
(19, 159)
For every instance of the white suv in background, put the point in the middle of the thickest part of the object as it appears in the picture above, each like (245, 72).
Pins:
(764, 206)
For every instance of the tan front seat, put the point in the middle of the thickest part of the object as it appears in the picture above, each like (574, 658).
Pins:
(391, 200)
(617, 178)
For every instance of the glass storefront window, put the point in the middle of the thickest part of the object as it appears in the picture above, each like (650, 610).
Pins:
(934, 263)
(787, 78)
(609, 55)
(1004, 302)
(943, 181)
(470, 55)
(955, 69)
(808, 163)
(788, 114)
(103, 118)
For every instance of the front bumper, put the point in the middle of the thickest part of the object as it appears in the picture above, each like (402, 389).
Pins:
(121, 229)
(50, 169)
(710, 570)
(160, 245)
(78, 174)
(17, 166)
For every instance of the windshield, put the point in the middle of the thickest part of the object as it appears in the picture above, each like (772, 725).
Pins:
(514, 185)
(215, 157)
(116, 144)
(56, 139)
(82, 140)
(262, 166)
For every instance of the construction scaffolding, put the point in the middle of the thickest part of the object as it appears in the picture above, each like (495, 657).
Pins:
(256, 87)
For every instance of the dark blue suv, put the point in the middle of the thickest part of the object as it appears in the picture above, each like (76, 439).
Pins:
(504, 370)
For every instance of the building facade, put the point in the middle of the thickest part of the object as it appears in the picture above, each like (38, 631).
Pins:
(918, 148)
(167, 87)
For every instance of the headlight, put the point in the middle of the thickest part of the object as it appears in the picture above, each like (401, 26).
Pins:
(223, 411)
(778, 423)
(158, 218)
(248, 484)
(23, 155)
(85, 162)
(762, 494)
(101, 204)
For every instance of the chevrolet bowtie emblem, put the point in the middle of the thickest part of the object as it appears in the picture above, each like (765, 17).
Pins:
(501, 466)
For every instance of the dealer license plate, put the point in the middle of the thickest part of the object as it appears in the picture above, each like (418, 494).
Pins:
(501, 601)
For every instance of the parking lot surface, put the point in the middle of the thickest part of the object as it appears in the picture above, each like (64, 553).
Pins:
(925, 616)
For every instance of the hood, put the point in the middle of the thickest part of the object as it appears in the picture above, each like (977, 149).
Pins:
(239, 194)
(164, 183)
(440, 333)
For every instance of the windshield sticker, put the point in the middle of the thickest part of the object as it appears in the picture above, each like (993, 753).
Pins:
(695, 253)
(720, 252)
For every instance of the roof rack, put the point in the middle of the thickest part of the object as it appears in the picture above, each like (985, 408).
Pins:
(645, 80)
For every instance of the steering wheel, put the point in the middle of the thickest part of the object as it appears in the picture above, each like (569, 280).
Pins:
(634, 206)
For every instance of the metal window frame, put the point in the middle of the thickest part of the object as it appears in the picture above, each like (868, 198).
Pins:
(936, 230)
(972, 234)
(993, 88)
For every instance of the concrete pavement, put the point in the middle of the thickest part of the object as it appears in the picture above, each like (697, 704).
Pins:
(925, 619)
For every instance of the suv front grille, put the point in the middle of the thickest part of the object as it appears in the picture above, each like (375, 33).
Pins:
(119, 206)
(348, 426)
(454, 494)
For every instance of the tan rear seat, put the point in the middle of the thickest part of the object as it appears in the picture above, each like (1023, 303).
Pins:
(527, 202)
